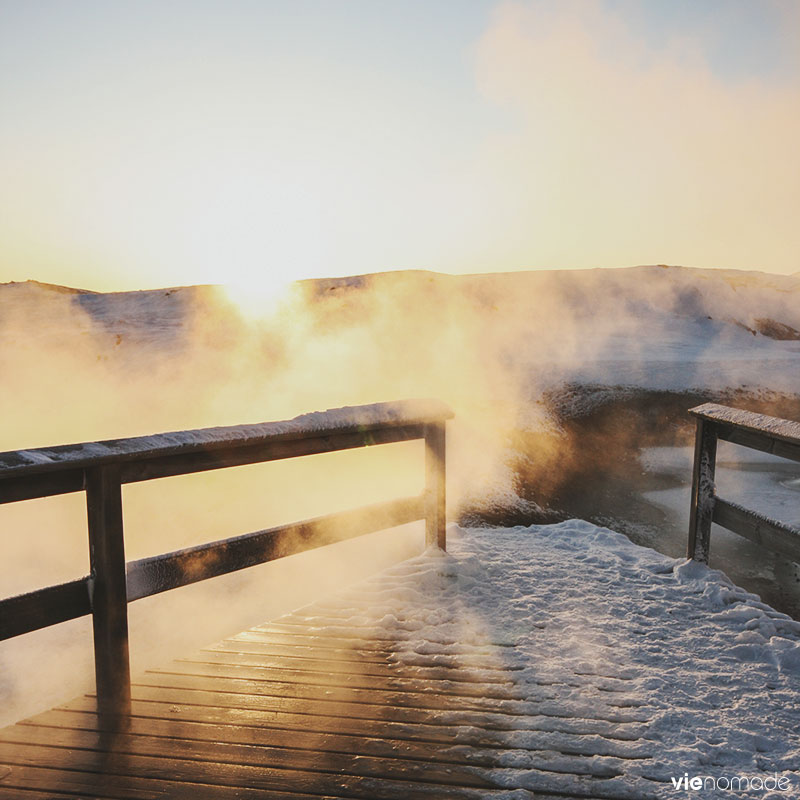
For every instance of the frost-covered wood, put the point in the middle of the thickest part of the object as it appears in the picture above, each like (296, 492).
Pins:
(703, 490)
(760, 432)
(435, 485)
(186, 463)
(107, 588)
(354, 419)
(781, 437)
(156, 574)
(44, 607)
(758, 528)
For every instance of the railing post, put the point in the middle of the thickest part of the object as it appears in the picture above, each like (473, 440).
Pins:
(435, 483)
(703, 490)
(108, 591)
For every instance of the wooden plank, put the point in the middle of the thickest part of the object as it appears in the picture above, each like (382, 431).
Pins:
(429, 702)
(168, 790)
(402, 683)
(215, 793)
(317, 624)
(191, 462)
(759, 441)
(359, 420)
(109, 764)
(376, 758)
(172, 692)
(76, 785)
(107, 588)
(432, 673)
(210, 663)
(237, 681)
(769, 533)
(16, 793)
(282, 721)
(497, 674)
(43, 607)
(480, 664)
(433, 731)
(49, 484)
(382, 649)
(131, 789)
(762, 428)
(302, 630)
(479, 658)
(339, 708)
(351, 655)
(702, 507)
(399, 679)
(279, 755)
(160, 573)
(280, 634)
(296, 739)
(319, 741)
(435, 486)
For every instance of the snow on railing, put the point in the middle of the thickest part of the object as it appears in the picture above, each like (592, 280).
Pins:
(780, 437)
(101, 468)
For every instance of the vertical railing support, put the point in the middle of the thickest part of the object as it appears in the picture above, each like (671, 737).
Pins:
(435, 483)
(703, 490)
(108, 591)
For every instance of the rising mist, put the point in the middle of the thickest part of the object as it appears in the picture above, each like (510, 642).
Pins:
(81, 366)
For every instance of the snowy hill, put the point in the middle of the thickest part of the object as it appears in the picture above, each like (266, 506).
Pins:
(658, 327)
(653, 326)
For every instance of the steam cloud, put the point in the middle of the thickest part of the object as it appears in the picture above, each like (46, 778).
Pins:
(83, 367)
(617, 153)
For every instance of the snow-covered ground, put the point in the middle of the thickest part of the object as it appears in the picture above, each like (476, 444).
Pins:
(626, 663)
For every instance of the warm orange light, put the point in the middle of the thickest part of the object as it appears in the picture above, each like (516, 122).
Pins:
(257, 299)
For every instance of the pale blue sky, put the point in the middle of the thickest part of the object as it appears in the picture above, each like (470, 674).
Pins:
(159, 142)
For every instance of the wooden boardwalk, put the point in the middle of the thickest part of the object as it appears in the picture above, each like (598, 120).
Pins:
(329, 701)
(305, 707)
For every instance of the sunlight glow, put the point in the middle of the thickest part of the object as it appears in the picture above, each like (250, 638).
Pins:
(256, 301)
(455, 137)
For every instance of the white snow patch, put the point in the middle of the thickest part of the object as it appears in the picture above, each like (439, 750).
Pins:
(650, 666)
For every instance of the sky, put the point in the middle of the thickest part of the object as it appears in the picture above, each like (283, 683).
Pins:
(173, 142)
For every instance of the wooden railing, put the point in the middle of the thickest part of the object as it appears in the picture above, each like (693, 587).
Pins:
(759, 432)
(101, 468)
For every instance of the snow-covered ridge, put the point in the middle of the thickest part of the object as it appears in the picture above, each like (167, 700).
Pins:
(760, 303)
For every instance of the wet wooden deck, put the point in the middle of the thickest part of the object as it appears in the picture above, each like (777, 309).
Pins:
(306, 708)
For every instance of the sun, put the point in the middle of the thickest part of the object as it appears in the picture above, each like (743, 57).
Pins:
(258, 300)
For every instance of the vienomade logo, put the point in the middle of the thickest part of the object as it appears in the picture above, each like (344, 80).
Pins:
(737, 783)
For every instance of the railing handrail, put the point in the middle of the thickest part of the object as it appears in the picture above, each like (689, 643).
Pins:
(780, 437)
(350, 419)
(48, 471)
(101, 468)
(735, 424)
